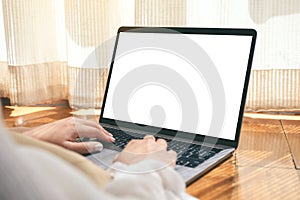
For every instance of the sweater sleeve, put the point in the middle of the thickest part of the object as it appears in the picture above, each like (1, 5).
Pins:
(31, 173)
(148, 179)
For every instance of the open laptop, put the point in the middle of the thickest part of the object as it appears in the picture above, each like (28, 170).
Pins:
(186, 85)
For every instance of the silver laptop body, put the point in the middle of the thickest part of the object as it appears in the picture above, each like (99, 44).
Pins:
(187, 85)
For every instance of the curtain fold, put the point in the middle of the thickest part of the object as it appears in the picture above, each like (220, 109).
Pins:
(274, 89)
(4, 73)
(160, 13)
(4, 82)
(36, 59)
(30, 84)
(90, 25)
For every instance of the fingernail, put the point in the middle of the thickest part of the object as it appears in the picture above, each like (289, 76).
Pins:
(113, 139)
(98, 147)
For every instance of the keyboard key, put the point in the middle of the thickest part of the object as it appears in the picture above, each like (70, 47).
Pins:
(194, 163)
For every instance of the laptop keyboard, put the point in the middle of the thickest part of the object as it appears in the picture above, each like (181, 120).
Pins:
(189, 155)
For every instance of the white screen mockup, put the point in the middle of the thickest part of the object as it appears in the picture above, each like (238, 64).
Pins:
(229, 53)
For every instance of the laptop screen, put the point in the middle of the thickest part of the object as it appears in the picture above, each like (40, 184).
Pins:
(180, 81)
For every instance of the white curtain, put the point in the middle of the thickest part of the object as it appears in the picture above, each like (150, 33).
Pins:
(47, 47)
(89, 25)
(54, 49)
(3, 59)
(160, 13)
(35, 57)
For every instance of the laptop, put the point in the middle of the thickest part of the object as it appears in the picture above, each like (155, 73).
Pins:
(186, 85)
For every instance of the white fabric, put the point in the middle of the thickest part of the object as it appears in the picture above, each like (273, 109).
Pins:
(3, 55)
(29, 173)
(34, 31)
(166, 183)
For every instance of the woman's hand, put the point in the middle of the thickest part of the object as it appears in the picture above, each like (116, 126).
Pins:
(147, 148)
(65, 132)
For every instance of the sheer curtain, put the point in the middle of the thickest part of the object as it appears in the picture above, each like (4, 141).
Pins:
(3, 59)
(88, 25)
(54, 49)
(47, 47)
(36, 58)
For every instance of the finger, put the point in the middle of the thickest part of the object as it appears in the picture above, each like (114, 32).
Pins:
(104, 131)
(92, 124)
(92, 132)
(131, 143)
(149, 137)
(172, 153)
(83, 147)
(173, 157)
(162, 142)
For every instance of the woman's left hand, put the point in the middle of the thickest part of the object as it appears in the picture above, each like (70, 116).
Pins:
(65, 132)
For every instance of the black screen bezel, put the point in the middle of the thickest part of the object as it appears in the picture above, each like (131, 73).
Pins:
(168, 132)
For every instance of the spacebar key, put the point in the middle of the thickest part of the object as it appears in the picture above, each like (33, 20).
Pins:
(191, 162)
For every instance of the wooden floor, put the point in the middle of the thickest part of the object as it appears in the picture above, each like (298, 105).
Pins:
(264, 166)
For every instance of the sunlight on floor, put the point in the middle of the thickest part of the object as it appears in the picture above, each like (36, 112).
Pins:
(19, 110)
(271, 116)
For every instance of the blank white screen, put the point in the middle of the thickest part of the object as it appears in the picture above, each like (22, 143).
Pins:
(230, 56)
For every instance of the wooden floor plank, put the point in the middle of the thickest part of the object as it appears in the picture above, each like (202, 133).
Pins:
(265, 183)
(35, 118)
(263, 144)
(217, 184)
(292, 131)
